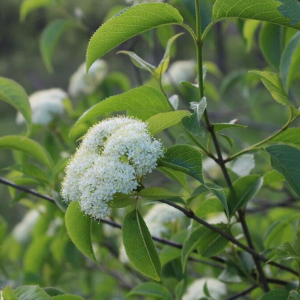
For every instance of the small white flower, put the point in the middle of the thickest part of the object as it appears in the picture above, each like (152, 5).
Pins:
(159, 216)
(112, 157)
(181, 70)
(83, 83)
(195, 291)
(45, 105)
(98, 185)
(135, 142)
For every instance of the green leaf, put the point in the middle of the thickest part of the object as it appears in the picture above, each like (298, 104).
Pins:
(218, 191)
(122, 200)
(9, 294)
(27, 292)
(294, 296)
(244, 189)
(79, 229)
(266, 10)
(208, 243)
(169, 253)
(192, 125)
(184, 158)
(28, 6)
(139, 62)
(290, 136)
(151, 289)
(162, 121)
(67, 297)
(164, 64)
(269, 42)
(199, 107)
(222, 126)
(14, 94)
(274, 86)
(290, 60)
(276, 232)
(276, 295)
(36, 254)
(139, 246)
(31, 170)
(27, 146)
(175, 175)
(50, 38)
(143, 102)
(157, 193)
(129, 23)
(286, 160)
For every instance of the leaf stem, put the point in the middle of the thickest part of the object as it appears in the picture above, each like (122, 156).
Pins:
(253, 147)
(221, 161)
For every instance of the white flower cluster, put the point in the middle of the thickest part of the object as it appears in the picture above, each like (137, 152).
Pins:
(159, 216)
(45, 105)
(83, 83)
(113, 156)
(195, 291)
(181, 70)
(135, 2)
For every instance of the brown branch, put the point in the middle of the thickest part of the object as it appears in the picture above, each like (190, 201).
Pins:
(188, 213)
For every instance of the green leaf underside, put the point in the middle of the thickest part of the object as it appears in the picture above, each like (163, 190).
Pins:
(127, 24)
(290, 59)
(28, 6)
(142, 102)
(289, 136)
(207, 242)
(184, 158)
(276, 295)
(50, 38)
(14, 94)
(151, 289)
(163, 121)
(244, 189)
(285, 252)
(31, 292)
(27, 146)
(139, 246)
(274, 86)
(79, 229)
(262, 10)
(286, 160)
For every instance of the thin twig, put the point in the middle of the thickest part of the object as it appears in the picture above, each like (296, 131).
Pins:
(244, 293)
(189, 214)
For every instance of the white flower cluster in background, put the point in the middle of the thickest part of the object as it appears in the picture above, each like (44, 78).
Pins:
(84, 83)
(195, 291)
(113, 156)
(134, 2)
(161, 215)
(157, 219)
(181, 70)
(45, 105)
